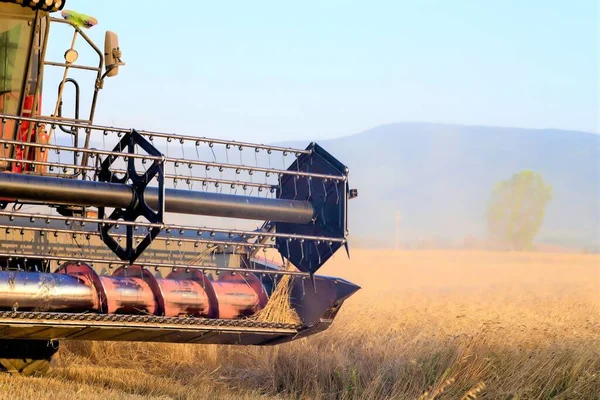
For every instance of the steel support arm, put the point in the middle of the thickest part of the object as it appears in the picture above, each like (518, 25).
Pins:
(60, 191)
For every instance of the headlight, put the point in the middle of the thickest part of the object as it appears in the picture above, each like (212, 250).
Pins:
(45, 5)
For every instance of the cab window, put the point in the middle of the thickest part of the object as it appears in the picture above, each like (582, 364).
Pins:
(14, 47)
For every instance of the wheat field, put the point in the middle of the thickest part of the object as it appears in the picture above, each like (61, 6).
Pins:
(426, 324)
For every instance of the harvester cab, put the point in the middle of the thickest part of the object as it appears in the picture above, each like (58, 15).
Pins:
(103, 230)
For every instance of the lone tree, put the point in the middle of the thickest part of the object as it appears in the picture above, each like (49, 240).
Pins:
(517, 209)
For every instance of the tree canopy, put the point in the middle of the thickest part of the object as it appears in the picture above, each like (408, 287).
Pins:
(517, 208)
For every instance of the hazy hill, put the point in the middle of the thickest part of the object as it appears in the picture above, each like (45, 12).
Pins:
(439, 178)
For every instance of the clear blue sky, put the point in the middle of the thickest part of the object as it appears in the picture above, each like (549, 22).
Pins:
(273, 70)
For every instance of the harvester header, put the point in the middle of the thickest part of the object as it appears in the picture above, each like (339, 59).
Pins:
(122, 234)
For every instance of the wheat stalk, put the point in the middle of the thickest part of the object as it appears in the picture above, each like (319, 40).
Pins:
(197, 260)
(475, 390)
(431, 395)
(278, 309)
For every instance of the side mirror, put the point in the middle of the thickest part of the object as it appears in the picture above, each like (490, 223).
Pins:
(112, 54)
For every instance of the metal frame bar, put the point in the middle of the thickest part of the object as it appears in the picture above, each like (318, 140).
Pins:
(143, 321)
(104, 128)
(98, 69)
(119, 263)
(74, 66)
(158, 238)
(237, 167)
(223, 142)
(37, 26)
(233, 183)
(168, 227)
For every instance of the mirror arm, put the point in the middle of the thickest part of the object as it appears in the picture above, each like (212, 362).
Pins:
(110, 68)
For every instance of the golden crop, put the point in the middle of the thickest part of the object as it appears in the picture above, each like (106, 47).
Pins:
(426, 324)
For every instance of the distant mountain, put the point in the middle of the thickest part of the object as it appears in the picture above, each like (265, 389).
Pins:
(439, 178)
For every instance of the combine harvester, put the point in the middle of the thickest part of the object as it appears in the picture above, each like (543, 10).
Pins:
(86, 250)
